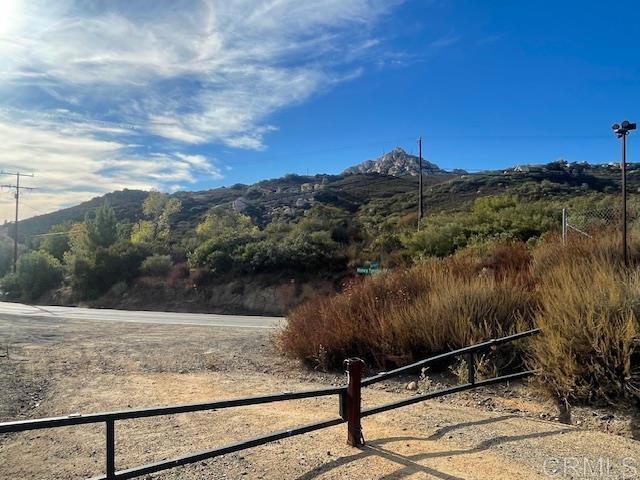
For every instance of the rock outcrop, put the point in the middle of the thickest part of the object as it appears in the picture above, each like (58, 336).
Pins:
(397, 162)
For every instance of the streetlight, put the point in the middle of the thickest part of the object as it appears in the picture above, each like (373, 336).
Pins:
(622, 131)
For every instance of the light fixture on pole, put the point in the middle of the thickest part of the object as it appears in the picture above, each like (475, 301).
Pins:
(622, 131)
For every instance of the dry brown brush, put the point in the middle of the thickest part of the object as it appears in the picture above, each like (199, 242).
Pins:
(588, 313)
(581, 296)
(394, 318)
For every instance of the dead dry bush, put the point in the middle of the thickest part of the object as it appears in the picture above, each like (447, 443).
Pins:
(581, 296)
(588, 312)
(394, 318)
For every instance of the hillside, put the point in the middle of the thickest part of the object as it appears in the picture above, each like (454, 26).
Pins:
(362, 194)
(274, 244)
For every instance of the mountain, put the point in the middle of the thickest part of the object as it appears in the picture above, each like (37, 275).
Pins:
(370, 197)
(398, 163)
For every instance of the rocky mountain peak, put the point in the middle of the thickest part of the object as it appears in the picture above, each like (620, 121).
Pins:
(397, 162)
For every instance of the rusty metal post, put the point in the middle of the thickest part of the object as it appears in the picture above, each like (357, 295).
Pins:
(354, 367)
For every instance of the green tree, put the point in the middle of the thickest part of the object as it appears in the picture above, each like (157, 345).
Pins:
(57, 241)
(220, 238)
(156, 230)
(96, 259)
(103, 229)
(220, 223)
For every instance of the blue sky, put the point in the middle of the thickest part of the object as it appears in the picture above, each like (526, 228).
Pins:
(97, 96)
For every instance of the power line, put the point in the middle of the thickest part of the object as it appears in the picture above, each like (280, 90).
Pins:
(17, 188)
(35, 209)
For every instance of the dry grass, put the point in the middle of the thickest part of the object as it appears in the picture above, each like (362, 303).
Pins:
(394, 318)
(588, 312)
(583, 299)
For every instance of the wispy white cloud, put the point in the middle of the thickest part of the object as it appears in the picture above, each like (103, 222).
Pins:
(71, 165)
(199, 71)
(445, 41)
(89, 89)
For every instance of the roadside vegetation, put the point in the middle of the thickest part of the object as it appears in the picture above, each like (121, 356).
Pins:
(487, 268)
(586, 303)
(287, 233)
(327, 242)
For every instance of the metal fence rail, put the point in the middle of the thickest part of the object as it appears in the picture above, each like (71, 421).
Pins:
(441, 393)
(350, 410)
(216, 452)
(109, 418)
(454, 353)
(79, 419)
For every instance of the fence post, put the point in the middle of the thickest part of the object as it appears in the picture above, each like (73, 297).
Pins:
(111, 448)
(471, 368)
(354, 368)
(564, 226)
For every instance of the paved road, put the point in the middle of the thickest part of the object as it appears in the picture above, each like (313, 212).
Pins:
(133, 316)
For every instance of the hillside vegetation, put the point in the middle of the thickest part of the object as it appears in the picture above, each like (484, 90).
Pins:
(291, 231)
(370, 197)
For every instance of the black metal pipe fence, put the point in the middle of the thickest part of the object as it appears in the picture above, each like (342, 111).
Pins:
(350, 410)
(444, 356)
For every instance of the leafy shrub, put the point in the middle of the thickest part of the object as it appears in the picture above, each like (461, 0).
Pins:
(233, 244)
(94, 273)
(10, 286)
(57, 243)
(438, 240)
(37, 273)
(156, 266)
(499, 217)
(6, 255)
(215, 254)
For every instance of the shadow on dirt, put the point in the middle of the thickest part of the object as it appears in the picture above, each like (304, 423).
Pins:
(409, 464)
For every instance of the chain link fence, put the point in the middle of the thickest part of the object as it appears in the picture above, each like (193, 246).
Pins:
(590, 222)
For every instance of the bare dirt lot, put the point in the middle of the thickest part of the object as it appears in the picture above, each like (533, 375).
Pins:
(58, 366)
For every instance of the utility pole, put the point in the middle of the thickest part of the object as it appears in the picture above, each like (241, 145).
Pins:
(420, 207)
(622, 131)
(17, 188)
(623, 167)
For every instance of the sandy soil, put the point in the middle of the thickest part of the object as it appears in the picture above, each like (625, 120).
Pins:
(59, 367)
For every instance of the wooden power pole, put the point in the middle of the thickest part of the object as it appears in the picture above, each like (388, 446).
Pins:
(17, 188)
(420, 196)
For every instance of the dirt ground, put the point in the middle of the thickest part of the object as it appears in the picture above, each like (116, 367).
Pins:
(57, 367)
